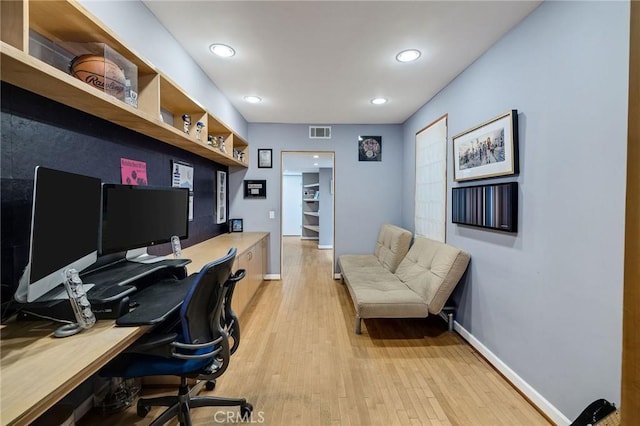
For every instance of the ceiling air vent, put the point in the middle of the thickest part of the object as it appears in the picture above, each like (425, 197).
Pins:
(319, 132)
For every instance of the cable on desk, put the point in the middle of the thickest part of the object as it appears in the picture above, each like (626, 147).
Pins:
(46, 317)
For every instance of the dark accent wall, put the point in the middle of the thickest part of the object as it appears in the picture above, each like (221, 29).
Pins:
(37, 131)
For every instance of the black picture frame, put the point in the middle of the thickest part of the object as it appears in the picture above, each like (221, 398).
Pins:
(265, 158)
(486, 206)
(255, 189)
(369, 148)
(235, 225)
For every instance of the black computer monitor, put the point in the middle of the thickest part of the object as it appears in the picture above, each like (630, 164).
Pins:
(65, 221)
(140, 216)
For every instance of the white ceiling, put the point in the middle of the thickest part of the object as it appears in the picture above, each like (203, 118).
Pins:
(321, 62)
(299, 162)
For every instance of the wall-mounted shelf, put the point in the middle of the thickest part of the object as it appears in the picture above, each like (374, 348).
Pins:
(60, 21)
(310, 199)
(312, 185)
(316, 214)
(314, 228)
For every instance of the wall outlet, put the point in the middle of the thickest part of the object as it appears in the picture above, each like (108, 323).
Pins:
(272, 214)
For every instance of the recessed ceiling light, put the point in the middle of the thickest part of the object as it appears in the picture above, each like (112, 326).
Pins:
(315, 164)
(408, 55)
(378, 101)
(222, 50)
(253, 99)
(316, 156)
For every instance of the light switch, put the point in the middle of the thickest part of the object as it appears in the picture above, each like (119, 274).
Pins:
(272, 214)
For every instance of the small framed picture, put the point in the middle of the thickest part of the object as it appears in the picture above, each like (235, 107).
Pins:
(264, 158)
(255, 189)
(369, 148)
(235, 225)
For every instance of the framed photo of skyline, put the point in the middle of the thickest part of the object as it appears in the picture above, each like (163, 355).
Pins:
(487, 150)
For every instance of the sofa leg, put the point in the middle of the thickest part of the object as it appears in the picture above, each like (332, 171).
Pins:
(447, 314)
(358, 325)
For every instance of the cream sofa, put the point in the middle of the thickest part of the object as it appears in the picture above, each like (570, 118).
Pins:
(401, 282)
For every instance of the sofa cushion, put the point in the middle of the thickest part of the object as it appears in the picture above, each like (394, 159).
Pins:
(354, 262)
(432, 269)
(392, 245)
(377, 293)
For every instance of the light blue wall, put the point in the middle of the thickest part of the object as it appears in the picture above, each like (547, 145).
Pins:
(548, 300)
(140, 30)
(366, 193)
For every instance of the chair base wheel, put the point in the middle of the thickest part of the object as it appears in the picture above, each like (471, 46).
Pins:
(245, 411)
(142, 411)
(210, 385)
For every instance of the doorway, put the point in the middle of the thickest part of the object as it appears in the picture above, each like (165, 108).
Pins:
(308, 205)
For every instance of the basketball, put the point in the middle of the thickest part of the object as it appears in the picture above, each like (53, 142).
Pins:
(99, 72)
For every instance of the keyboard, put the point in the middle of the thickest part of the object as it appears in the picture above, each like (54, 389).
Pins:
(109, 293)
(156, 302)
(120, 273)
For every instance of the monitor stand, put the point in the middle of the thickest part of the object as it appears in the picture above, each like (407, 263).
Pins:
(140, 255)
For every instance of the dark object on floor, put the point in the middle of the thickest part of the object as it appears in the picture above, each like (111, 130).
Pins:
(594, 412)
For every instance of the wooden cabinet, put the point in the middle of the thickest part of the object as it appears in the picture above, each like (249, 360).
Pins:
(252, 262)
(161, 102)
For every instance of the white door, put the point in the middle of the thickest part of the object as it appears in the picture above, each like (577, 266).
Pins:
(291, 205)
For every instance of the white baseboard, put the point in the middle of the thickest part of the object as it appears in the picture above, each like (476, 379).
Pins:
(337, 276)
(325, 247)
(272, 277)
(538, 400)
(309, 238)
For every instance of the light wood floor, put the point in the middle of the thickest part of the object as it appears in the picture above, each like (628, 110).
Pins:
(300, 363)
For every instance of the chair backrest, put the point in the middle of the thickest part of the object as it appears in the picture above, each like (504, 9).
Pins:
(392, 245)
(432, 270)
(201, 310)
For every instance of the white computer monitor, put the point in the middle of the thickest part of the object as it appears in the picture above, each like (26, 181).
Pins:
(65, 222)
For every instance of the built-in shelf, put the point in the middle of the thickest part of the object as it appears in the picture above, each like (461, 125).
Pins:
(60, 21)
(311, 206)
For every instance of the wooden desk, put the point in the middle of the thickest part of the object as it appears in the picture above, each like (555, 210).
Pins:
(37, 369)
(206, 251)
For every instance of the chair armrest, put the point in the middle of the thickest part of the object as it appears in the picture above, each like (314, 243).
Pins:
(239, 274)
(195, 346)
(154, 344)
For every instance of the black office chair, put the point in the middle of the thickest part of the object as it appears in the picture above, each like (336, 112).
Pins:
(198, 347)
(231, 326)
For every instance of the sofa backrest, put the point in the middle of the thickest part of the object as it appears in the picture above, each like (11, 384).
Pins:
(432, 269)
(393, 244)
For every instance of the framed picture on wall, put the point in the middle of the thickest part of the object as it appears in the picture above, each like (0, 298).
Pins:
(221, 198)
(264, 158)
(369, 148)
(182, 177)
(235, 225)
(487, 150)
(255, 189)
